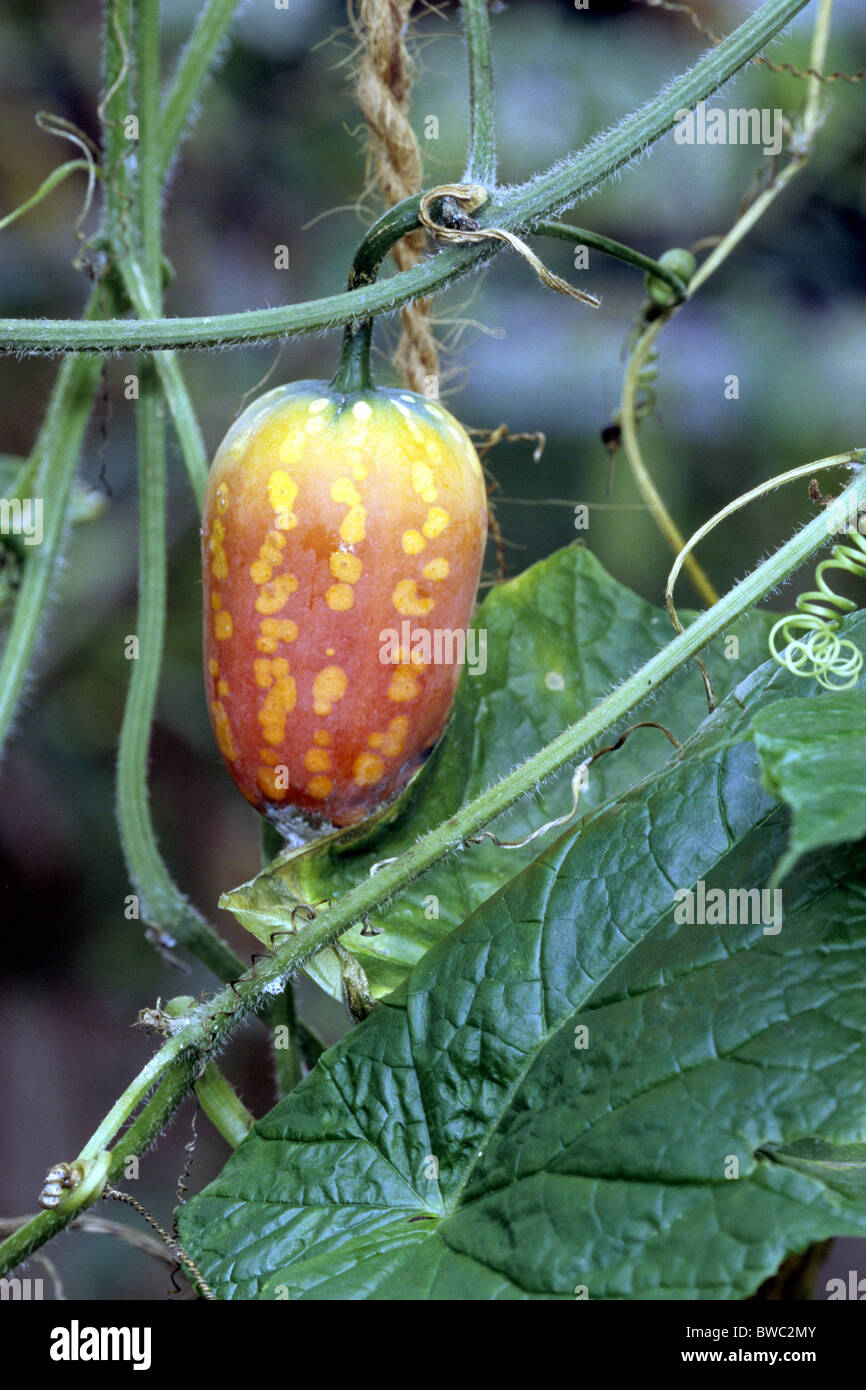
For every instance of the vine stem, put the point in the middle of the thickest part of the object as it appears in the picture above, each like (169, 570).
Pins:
(513, 209)
(732, 238)
(648, 490)
(148, 184)
(581, 236)
(183, 1054)
(481, 153)
(51, 468)
(55, 456)
(805, 470)
(191, 74)
(161, 901)
(115, 106)
(811, 123)
(283, 1012)
(174, 386)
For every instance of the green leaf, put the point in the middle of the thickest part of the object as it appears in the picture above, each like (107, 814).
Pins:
(558, 638)
(624, 1160)
(813, 758)
(840, 1166)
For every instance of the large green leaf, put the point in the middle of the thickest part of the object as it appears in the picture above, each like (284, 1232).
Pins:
(814, 758)
(629, 1166)
(558, 638)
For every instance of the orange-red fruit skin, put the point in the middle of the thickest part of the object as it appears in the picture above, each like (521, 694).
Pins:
(330, 522)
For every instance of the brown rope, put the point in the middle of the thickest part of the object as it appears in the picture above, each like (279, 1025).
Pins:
(385, 81)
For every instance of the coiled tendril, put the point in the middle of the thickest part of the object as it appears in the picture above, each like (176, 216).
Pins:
(812, 647)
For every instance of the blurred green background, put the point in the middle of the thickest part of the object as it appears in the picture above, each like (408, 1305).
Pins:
(277, 157)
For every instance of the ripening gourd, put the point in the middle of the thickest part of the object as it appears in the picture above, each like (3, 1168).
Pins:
(338, 523)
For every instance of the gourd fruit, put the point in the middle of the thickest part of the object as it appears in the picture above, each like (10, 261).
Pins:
(343, 530)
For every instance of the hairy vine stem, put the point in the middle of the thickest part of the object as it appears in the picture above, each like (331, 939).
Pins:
(162, 903)
(800, 147)
(52, 464)
(481, 153)
(515, 209)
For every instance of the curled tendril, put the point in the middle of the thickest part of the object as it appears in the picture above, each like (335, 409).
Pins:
(805, 642)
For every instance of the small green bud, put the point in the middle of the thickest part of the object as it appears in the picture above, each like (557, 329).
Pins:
(682, 263)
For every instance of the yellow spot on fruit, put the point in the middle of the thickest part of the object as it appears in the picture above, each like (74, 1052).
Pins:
(413, 542)
(322, 737)
(219, 563)
(313, 426)
(317, 406)
(422, 481)
(213, 666)
(222, 498)
(267, 780)
(436, 569)
(437, 520)
(353, 528)
(361, 410)
(434, 453)
(223, 688)
(216, 600)
(340, 598)
(272, 549)
(266, 671)
(319, 787)
(345, 567)
(404, 685)
(396, 736)
(269, 756)
(329, 686)
(391, 742)
(278, 705)
(408, 602)
(282, 491)
(223, 731)
(260, 571)
(367, 769)
(222, 626)
(274, 631)
(355, 460)
(317, 760)
(276, 593)
(344, 490)
(330, 651)
(291, 449)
